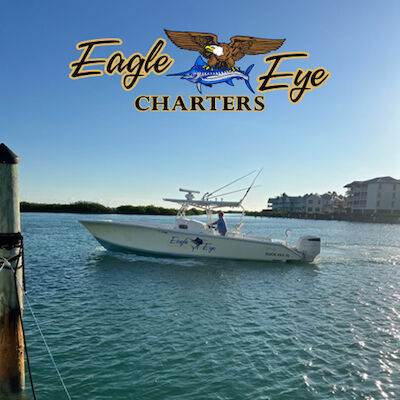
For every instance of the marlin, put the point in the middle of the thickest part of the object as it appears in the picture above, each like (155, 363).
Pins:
(202, 74)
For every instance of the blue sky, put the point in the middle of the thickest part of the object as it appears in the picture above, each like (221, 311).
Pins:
(83, 139)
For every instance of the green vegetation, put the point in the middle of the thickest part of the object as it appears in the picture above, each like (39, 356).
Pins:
(86, 207)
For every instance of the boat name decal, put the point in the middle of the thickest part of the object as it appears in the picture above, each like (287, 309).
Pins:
(196, 244)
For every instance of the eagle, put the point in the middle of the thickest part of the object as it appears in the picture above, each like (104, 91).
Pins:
(222, 55)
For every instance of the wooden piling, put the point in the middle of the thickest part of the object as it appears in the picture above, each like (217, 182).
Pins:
(12, 369)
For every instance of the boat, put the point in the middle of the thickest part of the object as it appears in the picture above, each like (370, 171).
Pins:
(191, 238)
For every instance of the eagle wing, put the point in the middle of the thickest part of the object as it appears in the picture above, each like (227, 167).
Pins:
(242, 45)
(195, 41)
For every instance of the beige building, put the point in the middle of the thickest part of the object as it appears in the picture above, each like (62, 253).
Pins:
(309, 203)
(333, 203)
(378, 195)
(313, 203)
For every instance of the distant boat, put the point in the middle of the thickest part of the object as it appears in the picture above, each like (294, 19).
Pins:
(191, 238)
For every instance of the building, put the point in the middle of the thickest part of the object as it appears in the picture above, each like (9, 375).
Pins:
(333, 203)
(378, 195)
(313, 203)
(309, 203)
(287, 203)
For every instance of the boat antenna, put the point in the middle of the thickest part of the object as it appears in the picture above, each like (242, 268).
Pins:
(231, 183)
(250, 187)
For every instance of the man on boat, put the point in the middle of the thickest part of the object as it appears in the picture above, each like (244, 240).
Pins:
(221, 225)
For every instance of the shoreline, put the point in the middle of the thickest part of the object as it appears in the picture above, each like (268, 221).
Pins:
(371, 218)
(83, 207)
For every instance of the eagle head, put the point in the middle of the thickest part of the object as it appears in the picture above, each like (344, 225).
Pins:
(217, 50)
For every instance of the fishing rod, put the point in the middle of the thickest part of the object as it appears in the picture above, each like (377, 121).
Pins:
(235, 191)
(250, 187)
(208, 195)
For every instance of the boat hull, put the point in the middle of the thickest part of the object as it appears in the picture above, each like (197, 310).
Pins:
(164, 241)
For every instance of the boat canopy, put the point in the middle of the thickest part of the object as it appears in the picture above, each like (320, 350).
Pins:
(210, 201)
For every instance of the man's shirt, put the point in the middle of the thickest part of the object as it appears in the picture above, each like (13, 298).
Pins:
(221, 226)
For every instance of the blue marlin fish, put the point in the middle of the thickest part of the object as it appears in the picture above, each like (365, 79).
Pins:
(202, 74)
(197, 242)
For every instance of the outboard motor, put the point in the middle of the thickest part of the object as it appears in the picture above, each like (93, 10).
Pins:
(310, 246)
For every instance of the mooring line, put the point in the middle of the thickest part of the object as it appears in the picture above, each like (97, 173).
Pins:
(6, 264)
(47, 347)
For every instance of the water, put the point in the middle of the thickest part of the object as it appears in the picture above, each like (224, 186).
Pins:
(127, 327)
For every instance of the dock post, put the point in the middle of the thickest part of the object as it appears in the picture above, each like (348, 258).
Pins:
(12, 368)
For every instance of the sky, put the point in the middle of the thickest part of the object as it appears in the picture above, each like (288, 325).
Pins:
(84, 140)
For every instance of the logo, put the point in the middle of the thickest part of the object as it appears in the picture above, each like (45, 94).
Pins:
(198, 244)
(132, 68)
(220, 67)
(216, 64)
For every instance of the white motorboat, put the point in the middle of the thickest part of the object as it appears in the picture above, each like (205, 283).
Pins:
(191, 238)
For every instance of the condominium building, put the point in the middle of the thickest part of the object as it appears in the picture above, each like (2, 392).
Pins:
(309, 203)
(378, 195)
(313, 203)
(287, 203)
(333, 203)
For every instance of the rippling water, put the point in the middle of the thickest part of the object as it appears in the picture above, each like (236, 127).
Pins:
(127, 327)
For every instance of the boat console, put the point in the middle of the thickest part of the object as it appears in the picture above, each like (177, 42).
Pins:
(192, 226)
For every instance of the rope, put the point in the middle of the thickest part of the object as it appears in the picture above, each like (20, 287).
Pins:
(7, 264)
(47, 347)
